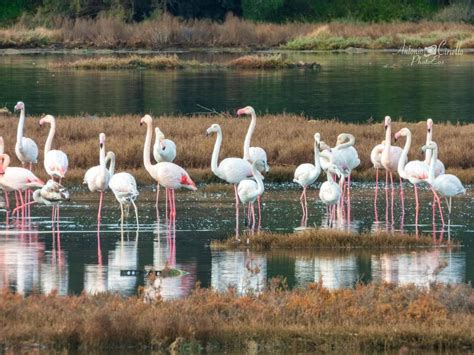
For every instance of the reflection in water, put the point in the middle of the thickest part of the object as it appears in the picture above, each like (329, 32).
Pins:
(334, 271)
(95, 279)
(420, 268)
(123, 257)
(243, 270)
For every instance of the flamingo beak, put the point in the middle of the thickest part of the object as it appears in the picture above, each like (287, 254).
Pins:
(101, 145)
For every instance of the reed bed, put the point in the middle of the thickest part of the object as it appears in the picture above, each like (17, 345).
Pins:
(374, 317)
(287, 139)
(325, 239)
(172, 32)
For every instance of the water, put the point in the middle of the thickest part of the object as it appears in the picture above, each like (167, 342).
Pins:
(349, 87)
(78, 260)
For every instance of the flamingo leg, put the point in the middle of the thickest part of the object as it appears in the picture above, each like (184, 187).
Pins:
(136, 214)
(416, 205)
(121, 215)
(166, 203)
(236, 213)
(259, 211)
(439, 205)
(376, 216)
(22, 205)
(349, 199)
(302, 205)
(253, 216)
(57, 221)
(157, 196)
(7, 200)
(392, 195)
(386, 196)
(402, 195)
(174, 204)
(99, 213)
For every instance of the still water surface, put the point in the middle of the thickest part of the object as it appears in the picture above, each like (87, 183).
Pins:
(349, 87)
(32, 258)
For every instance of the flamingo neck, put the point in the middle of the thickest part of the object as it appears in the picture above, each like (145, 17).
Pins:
(21, 123)
(146, 149)
(49, 140)
(317, 162)
(388, 140)
(431, 171)
(348, 144)
(102, 163)
(429, 152)
(404, 156)
(215, 153)
(249, 135)
(111, 159)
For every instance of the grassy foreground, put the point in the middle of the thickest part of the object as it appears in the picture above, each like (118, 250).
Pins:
(287, 139)
(325, 239)
(171, 32)
(370, 318)
(167, 62)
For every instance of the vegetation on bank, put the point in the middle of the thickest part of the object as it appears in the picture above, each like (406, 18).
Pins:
(325, 239)
(171, 32)
(164, 62)
(370, 317)
(78, 137)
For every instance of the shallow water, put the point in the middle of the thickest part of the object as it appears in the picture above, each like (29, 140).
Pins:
(79, 259)
(350, 87)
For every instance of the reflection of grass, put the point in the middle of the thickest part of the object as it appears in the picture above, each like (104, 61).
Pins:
(324, 238)
(372, 317)
(287, 139)
(164, 62)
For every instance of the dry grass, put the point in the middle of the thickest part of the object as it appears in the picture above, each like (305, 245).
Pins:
(370, 318)
(171, 32)
(78, 137)
(325, 239)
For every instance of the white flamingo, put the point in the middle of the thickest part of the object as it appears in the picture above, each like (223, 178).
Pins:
(249, 190)
(253, 154)
(124, 187)
(97, 178)
(166, 174)
(330, 191)
(375, 158)
(447, 185)
(306, 174)
(439, 166)
(231, 170)
(414, 171)
(26, 149)
(163, 149)
(55, 161)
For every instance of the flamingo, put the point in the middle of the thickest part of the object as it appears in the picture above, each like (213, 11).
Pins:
(414, 171)
(439, 166)
(389, 159)
(5, 192)
(97, 178)
(330, 191)
(163, 149)
(55, 161)
(26, 149)
(447, 185)
(253, 154)
(17, 179)
(306, 174)
(124, 187)
(166, 174)
(375, 158)
(249, 190)
(231, 170)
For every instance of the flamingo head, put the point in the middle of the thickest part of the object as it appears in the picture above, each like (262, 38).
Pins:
(429, 124)
(160, 136)
(213, 129)
(334, 169)
(324, 146)
(431, 146)
(4, 162)
(388, 121)
(46, 119)
(145, 120)
(248, 110)
(101, 140)
(19, 106)
(402, 133)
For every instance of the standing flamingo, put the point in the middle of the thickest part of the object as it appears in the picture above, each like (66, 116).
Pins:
(166, 174)
(5, 192)
(17, 179)
(163, 149)
(231, 170)
(375, 158)
(447, 185)
(97, 178)
(390, 158)
(55, 161)
(414, 171)
(249, 190)
(306, 174)
(124, 187)
(26, 149)
(439, 166)
(330, 191)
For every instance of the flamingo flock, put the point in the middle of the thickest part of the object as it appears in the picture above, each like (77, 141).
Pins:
(245, 173)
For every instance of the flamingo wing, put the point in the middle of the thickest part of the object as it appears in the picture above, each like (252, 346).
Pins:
(56, 163)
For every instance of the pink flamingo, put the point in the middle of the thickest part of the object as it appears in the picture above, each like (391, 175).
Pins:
(231, 170)
(166, 174)
(439, 166)
(97, 178)
(252, 154)
(55, 161)
(17, 179)
(414, 171)
(306, 174)
(389, 159)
